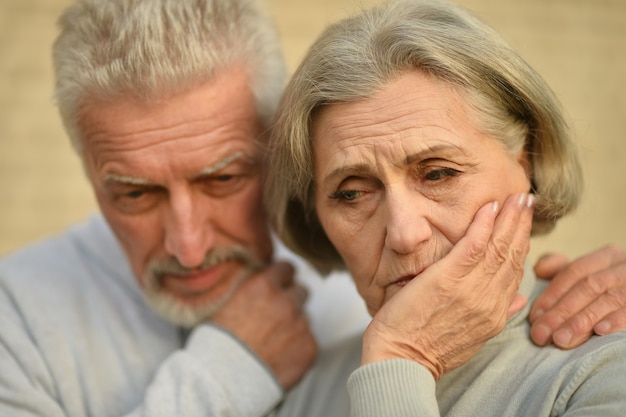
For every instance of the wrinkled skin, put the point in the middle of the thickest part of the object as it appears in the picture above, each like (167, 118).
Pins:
(406, 186)
(179, 181)
(586, 297)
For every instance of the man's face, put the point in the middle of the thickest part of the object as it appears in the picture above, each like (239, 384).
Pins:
(179, 181)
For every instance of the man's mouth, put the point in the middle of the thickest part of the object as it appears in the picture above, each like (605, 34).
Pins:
(218, 267)
(195, 282)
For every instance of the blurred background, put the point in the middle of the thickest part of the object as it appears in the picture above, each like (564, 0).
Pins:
(579, 46)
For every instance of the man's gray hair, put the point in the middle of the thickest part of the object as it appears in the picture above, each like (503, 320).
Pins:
(152, 49)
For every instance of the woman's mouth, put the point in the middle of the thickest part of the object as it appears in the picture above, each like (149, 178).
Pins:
(401, 282)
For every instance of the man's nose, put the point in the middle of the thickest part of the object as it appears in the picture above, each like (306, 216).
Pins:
(408, 222)
(188, 231)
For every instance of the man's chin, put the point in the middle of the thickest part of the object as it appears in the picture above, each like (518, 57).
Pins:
(186, 312)
(196, 295)
(190, 309)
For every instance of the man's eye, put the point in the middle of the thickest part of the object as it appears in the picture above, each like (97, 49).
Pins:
(134, 195)
(348, 195)
(438, 174)
(222, 185)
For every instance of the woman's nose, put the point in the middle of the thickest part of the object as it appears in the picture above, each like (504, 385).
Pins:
(408, 222)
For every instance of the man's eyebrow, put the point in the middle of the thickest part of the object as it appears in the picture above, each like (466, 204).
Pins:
(211, 169)
(114, 177)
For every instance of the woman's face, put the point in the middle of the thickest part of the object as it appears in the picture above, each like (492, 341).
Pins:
(399, 177)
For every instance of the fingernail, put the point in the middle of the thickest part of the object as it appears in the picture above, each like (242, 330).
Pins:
(604, 327)
(531, 201)
(536, 314)
(541, 334)
(522, 199)
(494, 207)
(562, 337)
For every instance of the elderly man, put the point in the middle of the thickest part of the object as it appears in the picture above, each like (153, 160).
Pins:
(171, 303)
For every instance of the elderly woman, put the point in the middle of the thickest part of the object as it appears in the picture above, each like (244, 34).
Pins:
(410, 140)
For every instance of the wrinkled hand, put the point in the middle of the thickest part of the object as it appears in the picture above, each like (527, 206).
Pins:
(266, 314)
(443, 316)
(586, 296)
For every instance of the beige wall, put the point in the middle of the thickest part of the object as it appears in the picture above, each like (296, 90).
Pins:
(578, 45)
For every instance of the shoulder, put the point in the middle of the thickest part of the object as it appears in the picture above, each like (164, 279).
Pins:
(84, 246)
(81, 268)
(592, 379)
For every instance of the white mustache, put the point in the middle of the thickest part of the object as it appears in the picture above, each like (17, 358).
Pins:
(171, 265)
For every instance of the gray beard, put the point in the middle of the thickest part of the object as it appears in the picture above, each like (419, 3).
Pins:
(189, 314)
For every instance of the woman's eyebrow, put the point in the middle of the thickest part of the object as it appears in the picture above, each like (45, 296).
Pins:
(364, 169)
(348, 170)
(434, 150)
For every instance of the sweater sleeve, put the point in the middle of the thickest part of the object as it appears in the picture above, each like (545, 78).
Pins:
(214, 375)
(394, 388)
(77, 340)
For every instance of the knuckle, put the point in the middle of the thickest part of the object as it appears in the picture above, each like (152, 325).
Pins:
(595, 284)
(616, 297)
(584, 321)
(617, 319)
(475, 252)
(492, 312)
(499, 247)
(496, 322)
(555, 317)
(614, 250)
(263, 280)
(517, 256)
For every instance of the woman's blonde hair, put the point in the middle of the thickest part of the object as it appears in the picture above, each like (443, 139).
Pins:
(358, 56)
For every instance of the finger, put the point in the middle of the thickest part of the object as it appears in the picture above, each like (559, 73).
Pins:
(549, 264)
(510, 243)
(590, 299)
(281, 273)
(573, 302)
(471, 248)
(478, 243)
(518, 303)
(614, 322)
(300, 294)
(579, 328)
(568, 277)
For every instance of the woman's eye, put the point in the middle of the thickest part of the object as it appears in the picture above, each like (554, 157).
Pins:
(348, 195)
(438, 174)
(224, 178)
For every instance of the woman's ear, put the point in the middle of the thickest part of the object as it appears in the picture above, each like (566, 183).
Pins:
(523, 159)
